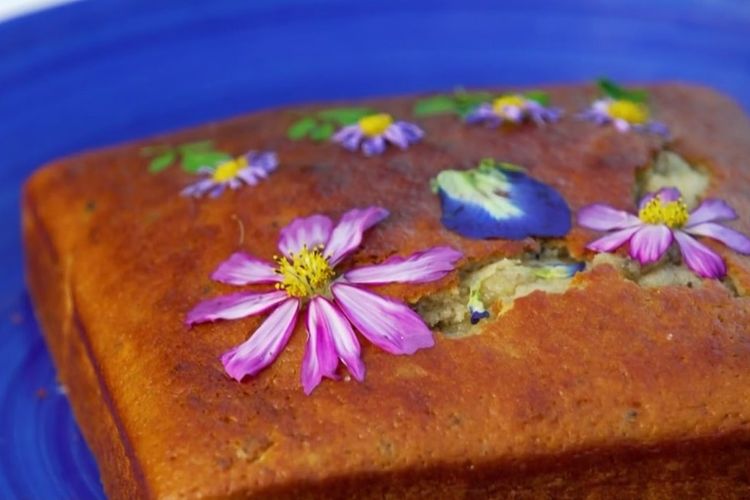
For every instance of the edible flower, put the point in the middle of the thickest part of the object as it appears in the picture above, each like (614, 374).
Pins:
(625, 109)
(499, 200)
(373, 131)
(515, 108)
(304, 275)
(663, 218)
(247, 169)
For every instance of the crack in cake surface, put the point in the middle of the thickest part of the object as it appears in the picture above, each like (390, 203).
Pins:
(669, 169)
(489, 290)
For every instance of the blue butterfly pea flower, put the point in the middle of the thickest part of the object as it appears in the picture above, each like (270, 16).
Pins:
(500, 201)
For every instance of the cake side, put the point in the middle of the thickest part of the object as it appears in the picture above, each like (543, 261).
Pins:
(137, 257)
(47, 278)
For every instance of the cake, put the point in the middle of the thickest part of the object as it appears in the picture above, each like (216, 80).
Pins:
(534, 365)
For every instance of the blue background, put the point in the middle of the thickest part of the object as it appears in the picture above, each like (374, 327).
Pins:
(99, 72)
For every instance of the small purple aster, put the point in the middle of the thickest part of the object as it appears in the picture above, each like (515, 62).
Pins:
(372, 132)
(513, 108)
(248, 169)
(624, 115)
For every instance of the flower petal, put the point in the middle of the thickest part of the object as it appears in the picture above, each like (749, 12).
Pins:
(373, 146)
(304, 231)
(348, 137)
(198, 189)
(480, 113)
(702, 260)
(411, 132)
(252, 175)
(264, 345)
(731, 238)
(347, 235)
(217, 190)
(621, 125)
(649, 243)
(657, 128)
(711, 210)
(402, 134)
(612, 240)
(387, 323)
(605, 218)
(669, 194)
(267, 161)
(419, 267)
(320, 358)
(243, 269)
(234, 306)
(645, 199)
(395, 135)
(513, 113)
(541, 115)
(341, 333)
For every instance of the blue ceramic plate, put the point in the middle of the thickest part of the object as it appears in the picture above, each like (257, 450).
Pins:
(95, 73)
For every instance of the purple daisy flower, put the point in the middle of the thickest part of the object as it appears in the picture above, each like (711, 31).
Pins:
(373, 131)
(624, 114)
(304, 275)
(513, 108)
(663, 218)
(247, 169)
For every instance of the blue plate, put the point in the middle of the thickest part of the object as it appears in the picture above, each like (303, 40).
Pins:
(94, 73)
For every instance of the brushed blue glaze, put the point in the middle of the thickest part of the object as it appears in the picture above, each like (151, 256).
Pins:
(99, 72)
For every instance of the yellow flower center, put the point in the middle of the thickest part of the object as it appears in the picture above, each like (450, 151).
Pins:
(673, 213)
(374, 125)
(308, 273)
(632, 112)
(513, 100)
(228, 170)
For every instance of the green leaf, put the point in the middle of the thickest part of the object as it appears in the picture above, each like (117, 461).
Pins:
(322, 132)
(636, 95)
(152, 150)
(301, 128)
(467, 101)
(510, 167)
(614, 91)
(196, 146)
(437, 105)
(537, 96)
(192, 161)
(463, 97)
(344, 116)
(610, 88)
(161, 162)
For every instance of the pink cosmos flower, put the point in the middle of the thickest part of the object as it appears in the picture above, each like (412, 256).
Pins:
(663, 218)
(303, 275)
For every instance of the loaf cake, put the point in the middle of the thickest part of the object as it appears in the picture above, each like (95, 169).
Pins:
(508, 293)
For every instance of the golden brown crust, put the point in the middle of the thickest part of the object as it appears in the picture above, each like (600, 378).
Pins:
(66, 338)
(608, 370)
